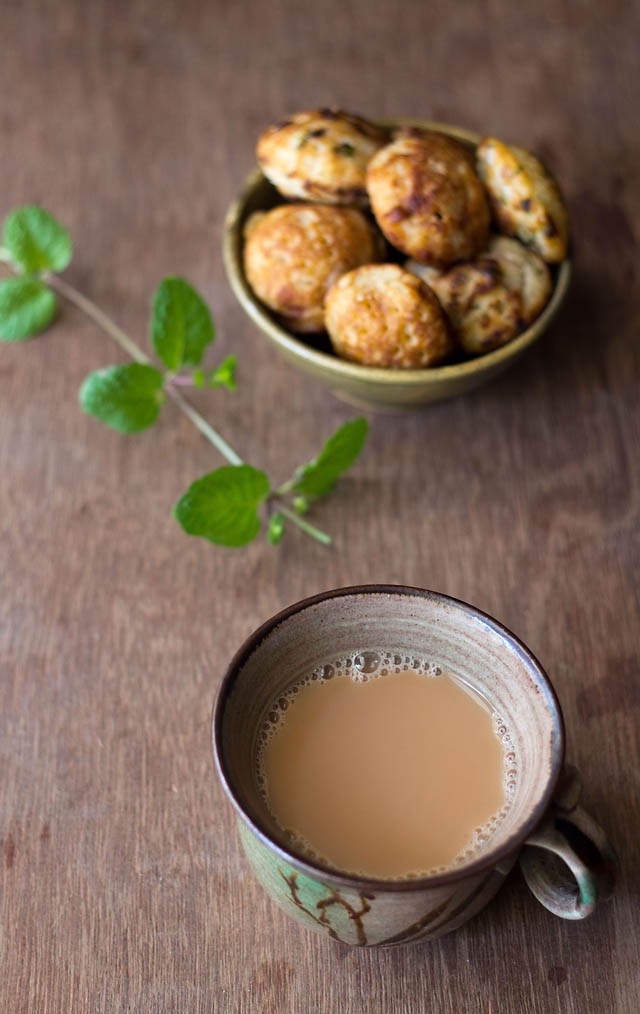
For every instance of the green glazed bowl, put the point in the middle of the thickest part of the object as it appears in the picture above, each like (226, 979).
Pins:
(370, 387)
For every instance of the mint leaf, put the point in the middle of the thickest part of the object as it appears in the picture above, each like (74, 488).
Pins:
(35, 241)
(275, 530)
(222, 506)
(27, 307)
(224, 375)
(300, 504)
(181, 325)
(338, 454)
(128, 398)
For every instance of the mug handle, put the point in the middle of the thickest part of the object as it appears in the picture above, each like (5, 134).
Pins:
(568, 862)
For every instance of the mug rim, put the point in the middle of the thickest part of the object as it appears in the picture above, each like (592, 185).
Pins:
(487, 860)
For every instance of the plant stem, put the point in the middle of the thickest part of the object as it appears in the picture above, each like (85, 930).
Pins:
(311, 530)
(285, 488)
(96, 314)
(201, 423)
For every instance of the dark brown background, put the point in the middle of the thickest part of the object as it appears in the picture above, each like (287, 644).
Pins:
(123, 886)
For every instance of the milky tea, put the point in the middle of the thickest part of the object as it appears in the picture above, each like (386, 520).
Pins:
(381, 765)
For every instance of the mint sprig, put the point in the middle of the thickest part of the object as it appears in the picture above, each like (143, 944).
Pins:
(181, 324)
(228, 506)
(223, 375)
(127, 398)
(27, 307)
(319, 476)
(223, 505)
(275, 528)
(35, 241)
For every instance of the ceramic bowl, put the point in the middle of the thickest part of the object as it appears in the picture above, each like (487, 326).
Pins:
(370, 387)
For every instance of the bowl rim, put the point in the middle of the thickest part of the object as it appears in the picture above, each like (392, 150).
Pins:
(488, 860)
(332, 365)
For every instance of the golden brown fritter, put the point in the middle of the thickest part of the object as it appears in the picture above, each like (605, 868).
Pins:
(491, 299)
(525, 199)
(427, 198)
(523, 271)
(293, 253)
(320, 156)
(483, 312)
(381, 315)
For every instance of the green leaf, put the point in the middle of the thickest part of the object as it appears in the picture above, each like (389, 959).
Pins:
(300, 504)
(275, 530)
(128, 398)
(338, 454)
(36, 241)
(224, 375)
(27, 307)
(181, 325)
(222, 506)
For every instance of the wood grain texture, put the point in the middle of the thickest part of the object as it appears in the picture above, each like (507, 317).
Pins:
(122, 884)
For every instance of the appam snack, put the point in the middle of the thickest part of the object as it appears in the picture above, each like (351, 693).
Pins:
(382, 315)
(484, 314)
(428, 199)
(493, 298)
(294, 252)
(414, 196)
(320, 156)
(523, 271)
(525, 199)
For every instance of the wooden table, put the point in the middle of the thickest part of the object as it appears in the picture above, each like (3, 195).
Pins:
(123, 885)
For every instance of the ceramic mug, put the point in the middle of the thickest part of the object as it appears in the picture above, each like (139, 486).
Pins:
(564, 855)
